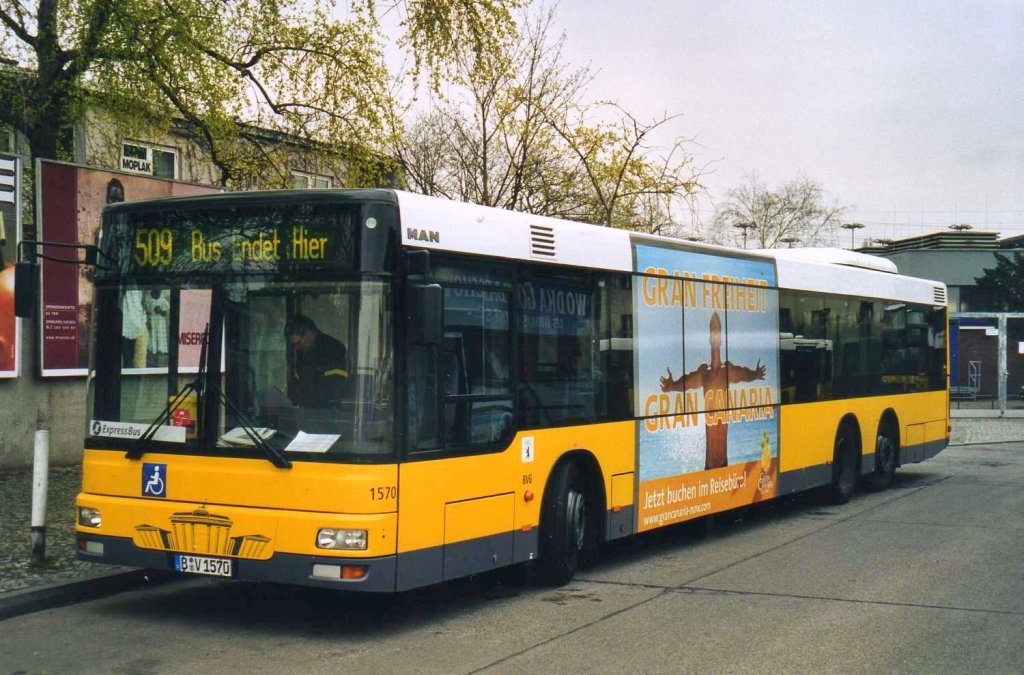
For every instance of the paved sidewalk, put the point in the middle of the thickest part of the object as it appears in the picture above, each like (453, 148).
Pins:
(61, 579)
(16, 570)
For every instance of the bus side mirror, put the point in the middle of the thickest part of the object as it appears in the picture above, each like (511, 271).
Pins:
(26, 288)
(424, 311)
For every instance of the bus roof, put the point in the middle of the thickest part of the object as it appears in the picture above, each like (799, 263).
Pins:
(442, 224)
(829, 270)
(835, 256)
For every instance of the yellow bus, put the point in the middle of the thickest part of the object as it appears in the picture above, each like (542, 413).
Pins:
(375, 390)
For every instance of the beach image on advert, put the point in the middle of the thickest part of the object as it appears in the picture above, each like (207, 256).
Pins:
(708, 383)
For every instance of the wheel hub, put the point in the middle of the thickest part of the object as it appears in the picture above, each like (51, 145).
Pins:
(577, 511)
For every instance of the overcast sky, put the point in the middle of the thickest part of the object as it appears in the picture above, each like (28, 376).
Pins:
(909, 113)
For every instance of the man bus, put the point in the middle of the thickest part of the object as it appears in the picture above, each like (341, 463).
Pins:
(502, 399)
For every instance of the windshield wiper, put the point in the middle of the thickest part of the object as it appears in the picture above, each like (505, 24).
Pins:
(138, 446)
(249, 427)
(200, 386)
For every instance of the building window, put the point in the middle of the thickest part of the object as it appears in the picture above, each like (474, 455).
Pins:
(306, 181)
(150, 160)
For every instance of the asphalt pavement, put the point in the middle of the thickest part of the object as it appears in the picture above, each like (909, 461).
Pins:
(61, 579)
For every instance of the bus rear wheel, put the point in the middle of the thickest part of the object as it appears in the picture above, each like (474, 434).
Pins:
(563, 527)
(885, 462)
(844, 467)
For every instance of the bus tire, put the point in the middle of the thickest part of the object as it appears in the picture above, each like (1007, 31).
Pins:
(563, 526)
(844, 467)
(885, 461)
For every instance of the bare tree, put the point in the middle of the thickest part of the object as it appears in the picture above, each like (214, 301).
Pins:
(490, 143)
(794, 213)
(622, 167)
(519, 137)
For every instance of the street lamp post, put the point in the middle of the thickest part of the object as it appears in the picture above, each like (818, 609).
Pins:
(852, 227)
(744, 227)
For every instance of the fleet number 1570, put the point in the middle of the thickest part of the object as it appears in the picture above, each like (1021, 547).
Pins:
(385, 492)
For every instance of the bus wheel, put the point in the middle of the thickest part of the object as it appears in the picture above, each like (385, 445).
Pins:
(563, 527)
(885, 462)
(844, 468)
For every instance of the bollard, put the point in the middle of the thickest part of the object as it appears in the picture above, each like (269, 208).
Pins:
(40, 471)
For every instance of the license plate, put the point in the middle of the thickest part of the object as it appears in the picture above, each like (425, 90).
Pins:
(194, 564)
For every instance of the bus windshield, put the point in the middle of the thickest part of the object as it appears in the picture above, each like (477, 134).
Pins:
(305, 366)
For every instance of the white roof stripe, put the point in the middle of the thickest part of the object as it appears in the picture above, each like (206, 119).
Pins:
(485, 230)
(441, 224)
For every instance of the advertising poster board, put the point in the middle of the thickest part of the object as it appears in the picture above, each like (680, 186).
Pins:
(70, 199)
(708, 384)
(10, 235)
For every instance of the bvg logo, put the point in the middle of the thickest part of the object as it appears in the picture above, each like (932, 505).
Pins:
(154, 480)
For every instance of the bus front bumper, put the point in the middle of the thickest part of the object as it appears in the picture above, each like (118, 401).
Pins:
(363, 574)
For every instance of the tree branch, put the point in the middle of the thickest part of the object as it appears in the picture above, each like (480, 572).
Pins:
(17, 26)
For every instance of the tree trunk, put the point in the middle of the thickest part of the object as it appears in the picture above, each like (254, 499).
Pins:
(49, 115)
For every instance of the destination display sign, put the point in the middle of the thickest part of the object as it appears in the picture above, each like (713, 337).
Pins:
(161, 247)
(265, 242)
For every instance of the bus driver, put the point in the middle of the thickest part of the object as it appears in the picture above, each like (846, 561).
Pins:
(317, 370)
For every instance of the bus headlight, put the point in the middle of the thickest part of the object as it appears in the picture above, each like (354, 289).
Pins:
(88, 517)
(341, 539)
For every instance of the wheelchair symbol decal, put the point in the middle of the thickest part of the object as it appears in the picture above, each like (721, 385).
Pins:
(154, 482)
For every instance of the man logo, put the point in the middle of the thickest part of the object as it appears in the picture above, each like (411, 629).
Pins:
(414, 234)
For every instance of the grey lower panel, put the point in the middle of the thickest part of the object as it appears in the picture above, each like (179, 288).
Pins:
(805, 479)
(384, 574)
(527, 545)
(477, 555)
(620, 524)
(922, 451)
(420, 568)
(815, 476)
(281, 568)
(462, 558)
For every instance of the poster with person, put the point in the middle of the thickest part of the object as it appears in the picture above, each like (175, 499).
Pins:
(10, 235)
(72, 199)
(708, 383)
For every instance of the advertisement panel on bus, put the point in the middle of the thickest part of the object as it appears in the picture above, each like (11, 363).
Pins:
(708, 384)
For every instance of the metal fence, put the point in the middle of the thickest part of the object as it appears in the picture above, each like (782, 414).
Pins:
(986, 360)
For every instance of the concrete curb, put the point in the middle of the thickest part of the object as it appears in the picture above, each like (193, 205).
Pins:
(61, 594)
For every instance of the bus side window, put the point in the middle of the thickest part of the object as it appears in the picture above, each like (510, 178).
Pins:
(615, 365)
(473, 360)
(423, 403)
(560, 379)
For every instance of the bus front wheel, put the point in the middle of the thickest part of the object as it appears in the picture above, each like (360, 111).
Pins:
(563, 526)
(844, 467)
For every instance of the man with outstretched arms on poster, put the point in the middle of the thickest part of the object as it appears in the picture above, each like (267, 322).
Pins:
(714, 378)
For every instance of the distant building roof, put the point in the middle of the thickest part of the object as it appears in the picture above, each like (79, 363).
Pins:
(1012, 242)
(956, 258)
(939, 241)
